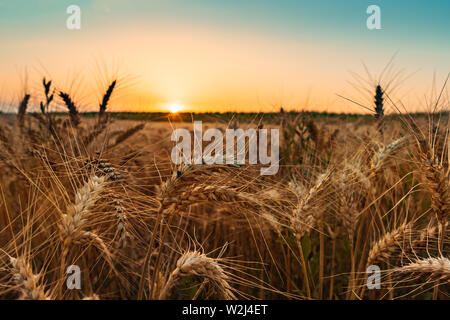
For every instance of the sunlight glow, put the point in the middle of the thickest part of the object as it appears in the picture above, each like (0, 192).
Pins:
(175, 107)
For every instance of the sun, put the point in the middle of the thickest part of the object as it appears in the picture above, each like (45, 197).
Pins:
(175, 107)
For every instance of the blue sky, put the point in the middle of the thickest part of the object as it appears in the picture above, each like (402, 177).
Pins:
(427, 19)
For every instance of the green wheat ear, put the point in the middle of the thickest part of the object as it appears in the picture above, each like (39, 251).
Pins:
(379, 109)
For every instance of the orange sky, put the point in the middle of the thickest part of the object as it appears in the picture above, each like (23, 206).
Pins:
(206, 66)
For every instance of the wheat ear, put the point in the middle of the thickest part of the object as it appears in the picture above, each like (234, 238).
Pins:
(28, 283)
(23, 109)
(379, 108)
(194, 263)
(122, 226)
(73, 112)
(73, 222)
(304, 218)
(436, 268)
(387, 244)
(106, 97)
(380, 157)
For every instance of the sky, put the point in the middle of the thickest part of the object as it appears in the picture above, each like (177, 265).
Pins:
(211, 55)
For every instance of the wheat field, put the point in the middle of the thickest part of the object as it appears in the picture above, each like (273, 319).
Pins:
(352, 194)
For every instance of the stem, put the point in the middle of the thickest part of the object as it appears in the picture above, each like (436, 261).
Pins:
(352, 270)
(62, 273)
(391, 289)
(305, 273)
(333, 257)
(148, 254)
(322, 258)
(288, 272)
(202, 286)
(441, 249)
(158, 258)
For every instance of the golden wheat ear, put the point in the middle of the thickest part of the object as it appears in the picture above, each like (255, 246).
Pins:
(194, 263)
(28, 284)
(436, 269)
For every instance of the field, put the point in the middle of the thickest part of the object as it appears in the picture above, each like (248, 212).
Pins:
(358, 209)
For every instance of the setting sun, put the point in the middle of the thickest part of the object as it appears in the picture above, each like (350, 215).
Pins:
(175, 107)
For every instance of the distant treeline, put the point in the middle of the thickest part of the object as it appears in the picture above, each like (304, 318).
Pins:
(274, 117)
(271, 117)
